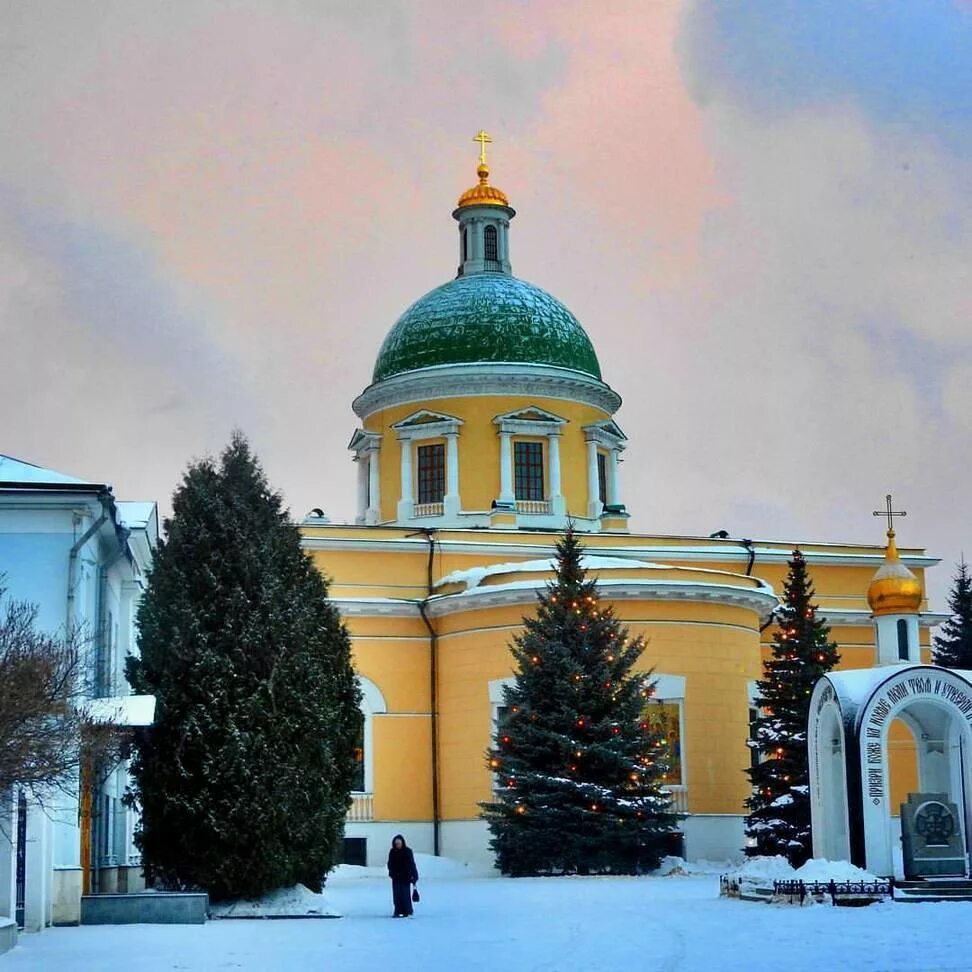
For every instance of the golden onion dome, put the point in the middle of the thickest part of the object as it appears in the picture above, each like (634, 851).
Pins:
(483, 194)
(895, 589)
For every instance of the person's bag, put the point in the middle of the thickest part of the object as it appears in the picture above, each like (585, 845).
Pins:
(415, 895)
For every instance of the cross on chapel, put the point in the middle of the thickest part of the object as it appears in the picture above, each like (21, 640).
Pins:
(889, 513)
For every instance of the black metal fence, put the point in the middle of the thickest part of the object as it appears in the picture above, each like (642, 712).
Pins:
(840, 892)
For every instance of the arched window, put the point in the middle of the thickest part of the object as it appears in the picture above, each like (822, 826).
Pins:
(489, 243)
(465, 245)
(903, 639)
(372, 704)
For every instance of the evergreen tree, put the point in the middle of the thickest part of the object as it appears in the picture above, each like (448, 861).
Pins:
(244, 779)
(578, 766)
(779, 818)
(953, 647)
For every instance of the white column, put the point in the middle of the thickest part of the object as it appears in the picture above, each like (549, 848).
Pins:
(557, 505)
(39, 871)
(593, 483)
(8, 853)
(374, 487)
(613, 486)
(506, 468)
(406, 504)
(361, 461)
(451, 503)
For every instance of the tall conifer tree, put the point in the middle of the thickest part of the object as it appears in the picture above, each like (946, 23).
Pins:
(244, 779)
(578, 767)
(952, 648)
(779, 817)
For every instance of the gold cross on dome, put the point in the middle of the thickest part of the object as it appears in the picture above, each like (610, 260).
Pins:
(889, 513)
(482, 138)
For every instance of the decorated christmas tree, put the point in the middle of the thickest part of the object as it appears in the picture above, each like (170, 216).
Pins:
(952, 648)
(578, 765)
(779, 807)
(244, 779)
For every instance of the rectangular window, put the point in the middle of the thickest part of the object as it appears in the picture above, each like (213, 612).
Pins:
(528, 470)
(663, 717)
(431, 473)
(354, 850)
(501, 715)
(602, 478)
(754, 757)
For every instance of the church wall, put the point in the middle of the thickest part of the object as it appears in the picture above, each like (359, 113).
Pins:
(479, 447)
(403, 766)
(352, 573)
(715, 647)
(399, 666)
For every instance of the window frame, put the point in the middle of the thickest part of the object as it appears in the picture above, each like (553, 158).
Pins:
(535, 471)
(438, 471)
(490, 244)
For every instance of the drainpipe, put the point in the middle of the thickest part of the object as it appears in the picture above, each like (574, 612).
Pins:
(93, 873)
(101, 659)
(748, 544)
(429, 535)
(73, 563)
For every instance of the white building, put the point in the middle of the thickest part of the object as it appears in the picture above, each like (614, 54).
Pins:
(69, 547)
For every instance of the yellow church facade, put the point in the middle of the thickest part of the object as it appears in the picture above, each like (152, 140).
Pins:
(486, 427)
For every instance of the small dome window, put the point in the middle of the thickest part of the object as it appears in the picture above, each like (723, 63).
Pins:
(489, 243)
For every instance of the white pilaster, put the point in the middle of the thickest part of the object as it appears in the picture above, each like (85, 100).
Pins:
(361, 461)
(506, 468)
(613, 486)
(39, 869)
(406, 504)
(373, 514)
(557, 504)
(451, 502)
(593, 484)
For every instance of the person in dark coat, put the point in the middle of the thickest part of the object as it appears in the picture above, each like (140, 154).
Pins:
(403, 874)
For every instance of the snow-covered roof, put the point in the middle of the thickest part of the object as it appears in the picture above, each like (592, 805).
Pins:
(13, 470)
(123, 710)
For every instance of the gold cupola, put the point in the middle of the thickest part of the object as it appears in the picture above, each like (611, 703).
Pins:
(895, 589)
(483, 194)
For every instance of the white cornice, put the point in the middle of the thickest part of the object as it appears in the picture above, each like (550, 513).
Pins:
(726, 552)
(524, 592)
(464, 380)
(849, 617)
(384, 607)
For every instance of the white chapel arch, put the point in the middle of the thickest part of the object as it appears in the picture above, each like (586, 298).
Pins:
(850, 717)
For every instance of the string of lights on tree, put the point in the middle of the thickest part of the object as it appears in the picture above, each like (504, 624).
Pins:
(579, 767)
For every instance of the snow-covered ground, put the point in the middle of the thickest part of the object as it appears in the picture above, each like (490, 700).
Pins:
(466, 923)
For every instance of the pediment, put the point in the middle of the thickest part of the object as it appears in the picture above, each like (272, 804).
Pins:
(533, 414)
(425, 417)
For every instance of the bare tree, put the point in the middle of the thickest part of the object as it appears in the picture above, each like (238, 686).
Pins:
(46, 733)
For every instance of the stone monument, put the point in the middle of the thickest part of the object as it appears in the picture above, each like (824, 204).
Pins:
(931, 837)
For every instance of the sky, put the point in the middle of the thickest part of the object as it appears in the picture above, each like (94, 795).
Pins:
(212, 212)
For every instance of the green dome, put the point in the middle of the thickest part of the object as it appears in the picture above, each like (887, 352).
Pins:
(486, 318)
